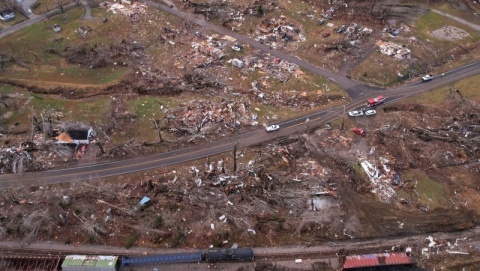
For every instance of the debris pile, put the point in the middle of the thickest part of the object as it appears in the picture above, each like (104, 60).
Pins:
(133, 10)
(382, 179)
(205, 117)
(275, 32)
(18, 159)
(399, 52)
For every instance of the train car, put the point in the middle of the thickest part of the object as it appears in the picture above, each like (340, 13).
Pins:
(90, 263)
(189, 257)
(227, 254)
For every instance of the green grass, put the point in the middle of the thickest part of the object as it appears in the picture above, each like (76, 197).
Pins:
(430, 192)
(6, 89)
(32, 44)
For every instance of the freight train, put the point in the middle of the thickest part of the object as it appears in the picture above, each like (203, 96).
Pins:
(209, 255)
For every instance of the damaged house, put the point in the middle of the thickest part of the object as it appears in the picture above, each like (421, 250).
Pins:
(80, 138)
(74, 136)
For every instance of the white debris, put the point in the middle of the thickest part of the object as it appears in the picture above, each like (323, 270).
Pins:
(252, 231)
(432, 242)
(222, 217)
(298, 260)
(457, 252)
(237, 63)
(212, 226)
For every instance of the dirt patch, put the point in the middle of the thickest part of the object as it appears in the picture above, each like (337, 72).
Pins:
(449, 33)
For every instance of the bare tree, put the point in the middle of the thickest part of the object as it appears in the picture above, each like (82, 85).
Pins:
(77, 2)
(60, 6)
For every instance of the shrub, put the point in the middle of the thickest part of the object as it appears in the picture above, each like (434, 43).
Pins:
(130, 241)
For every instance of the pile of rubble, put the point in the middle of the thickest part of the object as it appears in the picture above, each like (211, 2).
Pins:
(133, 10)
(273, 31)
(382, 178)
(205, 117)
(399, 52)
(18, 159)
(354, 32)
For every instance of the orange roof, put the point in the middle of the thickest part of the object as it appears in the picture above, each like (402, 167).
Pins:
(64, 137)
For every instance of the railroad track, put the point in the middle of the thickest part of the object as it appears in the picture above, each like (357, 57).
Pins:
(18, 261)
(317, 255)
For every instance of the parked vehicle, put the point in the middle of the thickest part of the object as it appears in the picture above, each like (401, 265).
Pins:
(355, 113)
(375, 101)
(370, 112)
(326, 35)
(272, 128)
(237, 47)
(427, 77)
(359, 131)
(56, 28)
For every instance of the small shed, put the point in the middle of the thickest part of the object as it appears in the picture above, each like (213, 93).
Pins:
(90, 263)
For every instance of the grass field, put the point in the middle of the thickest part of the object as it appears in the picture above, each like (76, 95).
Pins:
(430, 192)
(31, 47)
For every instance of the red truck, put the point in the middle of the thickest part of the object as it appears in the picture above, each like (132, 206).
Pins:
(375, 101)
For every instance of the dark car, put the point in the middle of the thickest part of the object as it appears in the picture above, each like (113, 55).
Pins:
(326, 35)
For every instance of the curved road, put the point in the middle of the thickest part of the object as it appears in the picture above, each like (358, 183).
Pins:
(358, 92)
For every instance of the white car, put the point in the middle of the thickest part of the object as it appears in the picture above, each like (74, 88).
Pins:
(370, 112)
(236, 48)
(427, 77)
(272, 128)
(355, 113)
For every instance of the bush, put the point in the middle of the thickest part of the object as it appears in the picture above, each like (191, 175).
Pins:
(130, 241)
